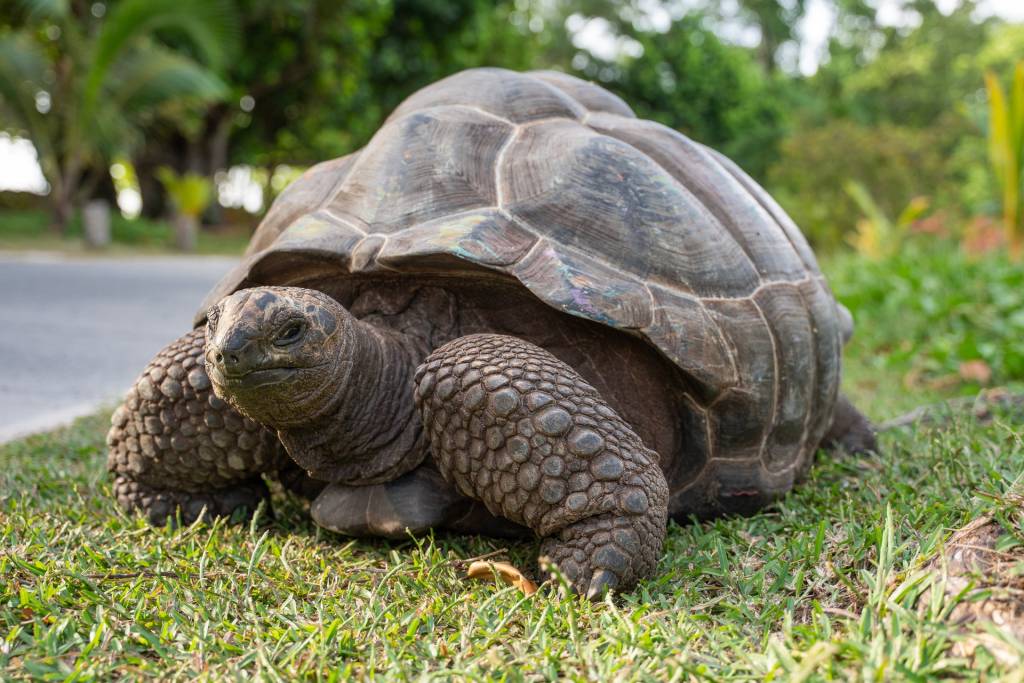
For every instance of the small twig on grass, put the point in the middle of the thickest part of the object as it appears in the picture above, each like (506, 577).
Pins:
(463, 563)
(979, 407)
(983, 549)
(840, 612)
(134, 575)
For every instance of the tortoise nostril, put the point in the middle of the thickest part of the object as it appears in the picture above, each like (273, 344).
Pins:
(219, 357)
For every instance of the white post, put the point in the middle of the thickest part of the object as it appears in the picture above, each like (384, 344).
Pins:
(96, 223)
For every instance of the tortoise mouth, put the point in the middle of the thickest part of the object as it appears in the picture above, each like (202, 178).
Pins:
(253, 379)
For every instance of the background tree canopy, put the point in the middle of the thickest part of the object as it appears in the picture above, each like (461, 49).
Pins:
(898, 109)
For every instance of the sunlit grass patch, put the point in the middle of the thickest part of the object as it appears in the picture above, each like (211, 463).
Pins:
(833, 582)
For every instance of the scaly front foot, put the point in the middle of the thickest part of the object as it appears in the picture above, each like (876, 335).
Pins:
(512, 426)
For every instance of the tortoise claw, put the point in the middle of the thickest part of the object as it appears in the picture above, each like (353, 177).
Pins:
(603, 581)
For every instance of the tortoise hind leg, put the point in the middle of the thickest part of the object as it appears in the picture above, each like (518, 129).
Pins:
(850, 430)
(174, 446)
(515, 428)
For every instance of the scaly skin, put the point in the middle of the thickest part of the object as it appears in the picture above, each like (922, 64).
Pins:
(512, 426)
(174, 445)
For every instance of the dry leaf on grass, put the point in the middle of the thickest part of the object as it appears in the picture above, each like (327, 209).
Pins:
(975, 371)
(482, 570)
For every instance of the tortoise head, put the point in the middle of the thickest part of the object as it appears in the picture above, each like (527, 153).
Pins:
(274, 353)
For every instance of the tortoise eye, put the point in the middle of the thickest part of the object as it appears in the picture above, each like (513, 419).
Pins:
(290, 334)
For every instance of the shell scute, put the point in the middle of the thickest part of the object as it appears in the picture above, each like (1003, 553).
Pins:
(422, 167)
(792, 232)
(478, 237)
(691, 339)
(600, 195)
(593, 97)
(303, 196)
(516, 97)
(786, 315)
(741, 416)
(738, 214)
(580, 285)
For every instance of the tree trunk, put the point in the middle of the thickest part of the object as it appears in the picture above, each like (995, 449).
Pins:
(154, 198)
(217, 156)
(62, 208)
(219, 125)
(101, 186)
(64, 193)
(161, 151)
(186, 229)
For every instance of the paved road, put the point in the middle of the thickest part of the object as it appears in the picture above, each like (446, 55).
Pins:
(74, 333)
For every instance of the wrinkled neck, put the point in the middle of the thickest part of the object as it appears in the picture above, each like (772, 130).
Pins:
(368, 432)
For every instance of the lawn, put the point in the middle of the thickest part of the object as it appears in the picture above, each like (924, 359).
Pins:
(28, 229)
(841, 580)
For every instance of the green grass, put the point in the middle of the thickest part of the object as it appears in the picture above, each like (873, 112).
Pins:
(824, 583)
(28, 229)
(921, 314)
(828, 584)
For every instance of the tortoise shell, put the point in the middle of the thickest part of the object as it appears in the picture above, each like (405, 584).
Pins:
(554, 182)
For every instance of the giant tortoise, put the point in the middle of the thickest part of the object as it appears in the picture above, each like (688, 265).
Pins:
(518, 309)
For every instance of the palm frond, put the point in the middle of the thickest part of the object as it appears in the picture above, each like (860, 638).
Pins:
(147, 78)
(45, 9)
(111, 132)
(22, 72)
(154, 74)
(22, 69)
(210, 25)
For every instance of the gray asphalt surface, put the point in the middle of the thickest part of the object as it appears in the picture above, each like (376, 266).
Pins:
(75, 332)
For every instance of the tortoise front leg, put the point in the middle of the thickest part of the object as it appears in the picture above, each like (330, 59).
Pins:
(175, 446)
(512, 426)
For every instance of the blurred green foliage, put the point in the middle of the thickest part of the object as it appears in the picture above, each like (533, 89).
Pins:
(893, 163)
(877, 235)
(927, 309)
(898, 110)
(315, 78)
(83, 81)
(689, 79)
(190, 192)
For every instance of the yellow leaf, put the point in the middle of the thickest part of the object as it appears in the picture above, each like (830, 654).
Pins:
(998, 121)
(913, 211)
(1006, 150)
(1017, 110)
(482, 570)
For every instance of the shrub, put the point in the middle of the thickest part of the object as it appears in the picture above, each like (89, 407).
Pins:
(689, 79)
(930, 308)
(894, 164)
